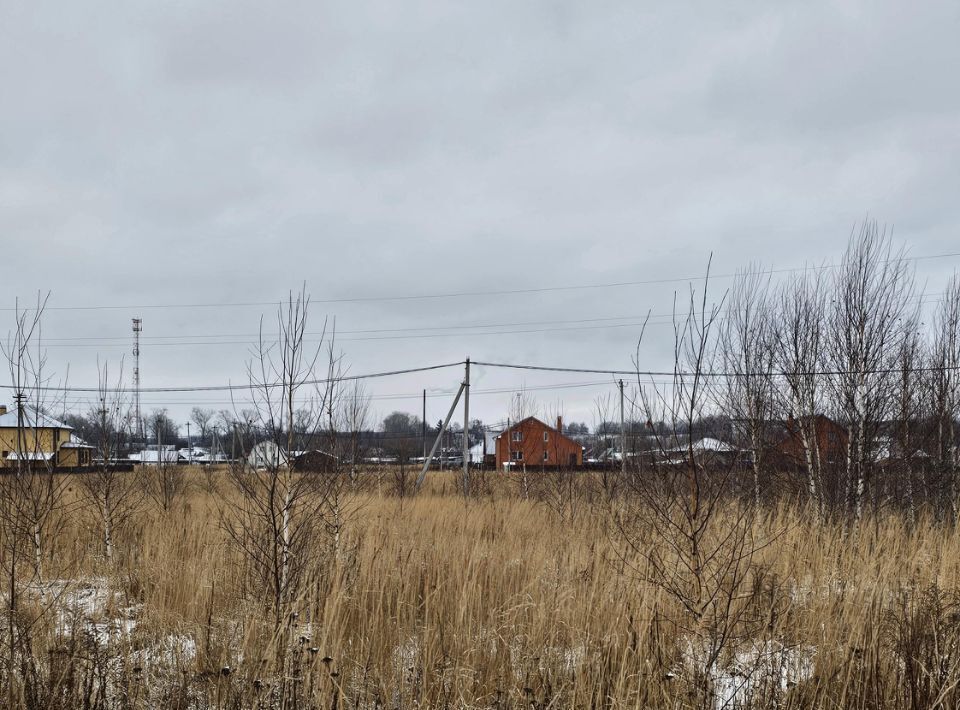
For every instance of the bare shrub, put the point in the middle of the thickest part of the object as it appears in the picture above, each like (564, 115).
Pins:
(924, 631)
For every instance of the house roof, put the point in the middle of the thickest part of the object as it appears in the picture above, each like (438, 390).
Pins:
(312, 452)
(31, 418)
(705, 444)
(541, 423)
(30, 456)
(154, 456)
(708, 443)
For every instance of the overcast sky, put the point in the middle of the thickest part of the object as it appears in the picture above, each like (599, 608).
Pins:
(162, 154)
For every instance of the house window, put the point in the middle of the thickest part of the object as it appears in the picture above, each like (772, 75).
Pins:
(517, 436)
(546, 436)
(546, 456)
(516, 455)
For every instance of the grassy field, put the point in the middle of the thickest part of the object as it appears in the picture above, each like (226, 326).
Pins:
(503, 601)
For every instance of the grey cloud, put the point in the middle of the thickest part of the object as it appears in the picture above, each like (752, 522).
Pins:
(193, 153)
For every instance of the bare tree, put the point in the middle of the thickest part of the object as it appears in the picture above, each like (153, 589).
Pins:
(872, 289)
(202, 418)
(356, 414)
(401, 434)
(602, 407)
(693, 542)
(164, 482)
(559, 485)
(160, 427)
(113, 493)
(522, 405)
(945, 390)
(31, 499)
(747, 352)
(799, 337)
(278, 509)
(910, 411)
(330, 391)
(33, 496)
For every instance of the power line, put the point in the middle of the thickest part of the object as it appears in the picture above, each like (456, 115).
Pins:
(441, 393)
(247, 387)
(360, 331)
(427, 336)
(713, 374)
(544, 368)
(500, 365)
(195, 339)
(466, 294)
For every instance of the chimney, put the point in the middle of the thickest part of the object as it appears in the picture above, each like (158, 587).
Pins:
(3, 409)
(560, 424)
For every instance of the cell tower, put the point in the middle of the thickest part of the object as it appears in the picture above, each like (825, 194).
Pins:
(137, 420)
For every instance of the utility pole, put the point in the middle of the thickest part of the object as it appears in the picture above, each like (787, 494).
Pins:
(436, 442)
(189, 446)
(466, 429)
(423, 425)
(623, 438)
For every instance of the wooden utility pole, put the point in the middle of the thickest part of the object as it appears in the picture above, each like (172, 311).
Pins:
(436, 442)
(466, 429)
(423, 425)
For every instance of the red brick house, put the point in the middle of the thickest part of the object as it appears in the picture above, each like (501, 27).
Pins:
(830, 438)
(532, 443)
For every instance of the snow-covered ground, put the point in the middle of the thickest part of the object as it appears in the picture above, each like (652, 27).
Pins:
(758, 670)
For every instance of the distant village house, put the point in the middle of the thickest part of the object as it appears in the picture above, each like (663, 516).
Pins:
(530, 442)
(35, 437)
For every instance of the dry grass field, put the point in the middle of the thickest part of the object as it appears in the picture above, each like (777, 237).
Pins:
(501, 601)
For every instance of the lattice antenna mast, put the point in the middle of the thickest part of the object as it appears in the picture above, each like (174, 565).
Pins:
(137, 419)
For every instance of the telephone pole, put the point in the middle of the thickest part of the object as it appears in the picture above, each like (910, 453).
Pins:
(423, 425)
(436, 442)
(466, 429)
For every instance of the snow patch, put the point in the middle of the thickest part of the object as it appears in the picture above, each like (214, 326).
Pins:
(760, 671)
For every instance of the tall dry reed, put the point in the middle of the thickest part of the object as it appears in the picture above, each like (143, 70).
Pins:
(494, 602)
